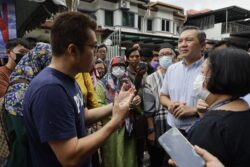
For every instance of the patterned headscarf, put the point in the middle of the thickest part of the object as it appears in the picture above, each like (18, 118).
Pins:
(112, 84)
(28, 67)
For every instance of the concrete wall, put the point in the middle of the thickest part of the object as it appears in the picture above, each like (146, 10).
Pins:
(215, 32)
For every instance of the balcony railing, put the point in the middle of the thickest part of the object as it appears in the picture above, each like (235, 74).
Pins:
(234, 28)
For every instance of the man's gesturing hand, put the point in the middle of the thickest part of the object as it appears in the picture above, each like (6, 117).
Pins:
(121, 104)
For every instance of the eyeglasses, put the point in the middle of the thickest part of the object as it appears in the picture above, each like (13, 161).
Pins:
(93, 46)
(100, 68)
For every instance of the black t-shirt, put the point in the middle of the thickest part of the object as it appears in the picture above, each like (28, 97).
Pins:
(226, 135)
(150, 70)
(53, 110)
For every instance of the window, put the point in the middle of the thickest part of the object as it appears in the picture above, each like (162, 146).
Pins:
(128, 19)
(139, 22)
(109, 18)
(149, 25)
(165, 25)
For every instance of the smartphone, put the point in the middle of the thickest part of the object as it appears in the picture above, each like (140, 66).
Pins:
(142, 65)
(180, 149)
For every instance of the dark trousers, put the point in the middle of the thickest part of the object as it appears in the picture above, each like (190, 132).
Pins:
(140, 147)
(158, 157)
(140, 130)
(95, 160)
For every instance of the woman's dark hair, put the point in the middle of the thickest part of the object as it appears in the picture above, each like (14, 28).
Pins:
(230, 72)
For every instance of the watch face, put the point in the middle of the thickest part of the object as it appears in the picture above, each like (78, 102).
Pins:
(3, 61)
(150, 130)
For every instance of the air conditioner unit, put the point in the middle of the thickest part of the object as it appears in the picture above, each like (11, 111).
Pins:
(124, 4)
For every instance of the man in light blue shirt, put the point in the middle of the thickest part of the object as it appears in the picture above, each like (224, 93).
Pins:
(177, 93)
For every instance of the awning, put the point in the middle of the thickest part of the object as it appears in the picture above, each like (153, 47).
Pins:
(145, 39)
(234, 13)
(32, 13)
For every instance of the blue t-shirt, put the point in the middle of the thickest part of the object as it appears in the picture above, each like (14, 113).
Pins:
(53, 110)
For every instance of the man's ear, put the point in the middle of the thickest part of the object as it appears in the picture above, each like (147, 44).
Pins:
(203, 45)
(72, 49)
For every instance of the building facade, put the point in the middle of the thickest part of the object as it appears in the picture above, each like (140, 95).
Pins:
(139, 21)
(230, 23)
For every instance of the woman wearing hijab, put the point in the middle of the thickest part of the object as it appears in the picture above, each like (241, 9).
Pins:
(119, 149)
(28, 67)
(224, 129)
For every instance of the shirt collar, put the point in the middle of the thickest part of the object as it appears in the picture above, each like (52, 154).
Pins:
(195, 64)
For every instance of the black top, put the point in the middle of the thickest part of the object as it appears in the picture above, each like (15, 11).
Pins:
(150, 70)
(226, 135)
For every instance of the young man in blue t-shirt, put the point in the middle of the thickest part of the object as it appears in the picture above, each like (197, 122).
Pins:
(54, 113)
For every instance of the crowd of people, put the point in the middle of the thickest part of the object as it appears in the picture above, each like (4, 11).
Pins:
(64, 103)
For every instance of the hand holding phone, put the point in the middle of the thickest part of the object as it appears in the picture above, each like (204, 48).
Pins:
(142, 65)
(179, 149)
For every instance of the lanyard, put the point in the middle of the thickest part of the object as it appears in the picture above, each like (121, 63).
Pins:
(213, 108)
(221, 104)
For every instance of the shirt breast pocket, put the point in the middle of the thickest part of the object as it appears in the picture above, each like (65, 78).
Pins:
(193, 99)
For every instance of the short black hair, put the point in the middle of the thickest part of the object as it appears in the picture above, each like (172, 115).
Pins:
(32, 42)
(201, 34)
(102, 46)
(210, 41)
(99, 61)
(222, 42)
(229, 72)
(16, 41)
(70, 27)
(146, 52)
(129, 51)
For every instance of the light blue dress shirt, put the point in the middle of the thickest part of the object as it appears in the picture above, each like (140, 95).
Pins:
(178, 84)
(247, 98)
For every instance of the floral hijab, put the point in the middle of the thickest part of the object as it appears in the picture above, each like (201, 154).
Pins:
(28, 67)
(110, 83)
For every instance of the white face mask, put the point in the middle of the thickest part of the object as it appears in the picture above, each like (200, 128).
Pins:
(165, 61)
(118, 71)
(200, 91)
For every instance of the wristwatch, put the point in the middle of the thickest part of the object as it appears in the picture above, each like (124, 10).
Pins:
(151, 130)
